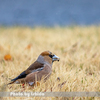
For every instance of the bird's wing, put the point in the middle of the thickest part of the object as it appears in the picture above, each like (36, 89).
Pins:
(36, 66)
(32, 68)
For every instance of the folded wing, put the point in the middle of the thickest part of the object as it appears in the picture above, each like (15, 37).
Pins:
(36, 66)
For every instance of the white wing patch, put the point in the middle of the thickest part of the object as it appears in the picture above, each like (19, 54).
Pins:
(39, 69)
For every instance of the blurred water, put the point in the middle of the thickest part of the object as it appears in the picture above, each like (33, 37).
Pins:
(49, 12)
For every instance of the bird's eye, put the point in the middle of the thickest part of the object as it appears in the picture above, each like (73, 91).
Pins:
(51, 56)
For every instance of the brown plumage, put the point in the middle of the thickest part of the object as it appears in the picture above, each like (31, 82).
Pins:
(41, 68)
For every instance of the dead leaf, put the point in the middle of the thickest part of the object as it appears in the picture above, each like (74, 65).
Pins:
(37, 83)
(28, 46)
(8, 57)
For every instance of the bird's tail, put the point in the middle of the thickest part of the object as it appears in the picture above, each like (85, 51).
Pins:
(11, 82)
(22, 75)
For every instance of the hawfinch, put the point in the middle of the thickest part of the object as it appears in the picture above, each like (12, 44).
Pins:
(41, 68)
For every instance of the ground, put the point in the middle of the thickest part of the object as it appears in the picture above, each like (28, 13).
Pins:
(78, 49)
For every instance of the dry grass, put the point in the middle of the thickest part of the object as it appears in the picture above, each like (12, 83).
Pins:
(77, 47)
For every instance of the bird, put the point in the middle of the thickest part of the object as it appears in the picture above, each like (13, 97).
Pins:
(41, 68)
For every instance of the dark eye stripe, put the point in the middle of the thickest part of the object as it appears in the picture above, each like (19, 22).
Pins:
(51, 56)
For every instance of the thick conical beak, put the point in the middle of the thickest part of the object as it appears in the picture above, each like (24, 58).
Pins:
(55, 58)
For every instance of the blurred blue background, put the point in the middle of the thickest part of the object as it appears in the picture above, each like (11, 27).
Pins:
(49, 12)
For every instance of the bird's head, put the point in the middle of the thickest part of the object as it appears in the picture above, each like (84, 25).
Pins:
(48, 56)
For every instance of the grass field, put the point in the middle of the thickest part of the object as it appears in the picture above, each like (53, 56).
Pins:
(78, 49)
